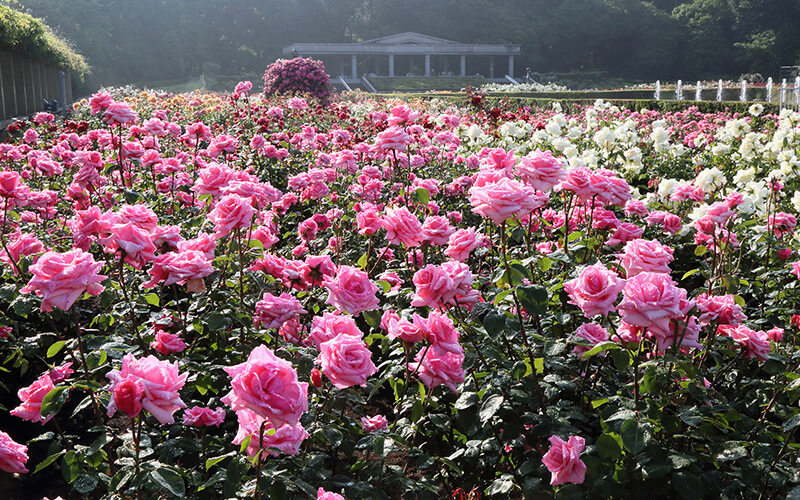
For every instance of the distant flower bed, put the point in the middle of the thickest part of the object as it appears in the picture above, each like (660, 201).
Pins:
(240, 296)
(523, 87)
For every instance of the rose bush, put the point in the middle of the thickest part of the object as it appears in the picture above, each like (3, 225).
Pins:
(477, 284)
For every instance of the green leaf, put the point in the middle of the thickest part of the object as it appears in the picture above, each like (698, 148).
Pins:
(533, 298)
(538, 363)
(422, 195)
(700, 250)
(54, 400)
(632, 436)
(47, 461)
(574, 236)
(121, 478)
(466, 400)
(55, 348)
(490, 407)
(688, 485)
(601, 347)
(791, 423)
(622, 359)
(732, 450)
(545, 264)
(85, 483)
(70, 466)
(494, 322)
(608, 448)
(152, 299)
(215, 460)
(362, 261)
(170, 480)
(690, 273)
(501, 486)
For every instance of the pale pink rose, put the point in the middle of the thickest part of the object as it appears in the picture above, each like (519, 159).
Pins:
(438, 328)
(10, 184)
(563, 460)
(267, 385)
(328, 326)
(243, 87)
(463, 294)
(782, 223)
(160, 381)
(232, 212)
(187, 266)
(609, 189)
(61, 373)
(368, 220)
(402, 227)
(589, 335)
(721, 308)
(127, 396)
(135, 244)
(273, 312)
(437, 230)
(351, 291)
(317, 269)
(13, 456)
(285, 439)
(650, 256)
(198, 416)
(579, 181)
(166, 238)
(374, 423)
(346, 361)
(595, 290)
(213, 179)
(22, 244)
(684, 332)
(720, 212)
(31, 398)
(168, 343)
(393, 138)
(625, 231)
(203, 243)
(432, 286)
(540, 170)
(437, 366)
(636, 207)
(403, 329)
(503, 199)
(462, 242)
(100, 101)
(223, 143)
(62, 278)
(119, 113)
(328, 495)
(672, 223)
(651, 300)
(139, 215)
(755, 343)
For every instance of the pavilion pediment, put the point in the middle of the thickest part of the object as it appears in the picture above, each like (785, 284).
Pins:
(408, 38)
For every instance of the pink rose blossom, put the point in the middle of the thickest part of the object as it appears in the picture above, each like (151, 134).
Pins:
(462, 242)
(595, 290)
(503, 199)
(198, 416)
(273, 312)
(62, 278)
(540, 170)
(186, 266)
(127, 396)
(590, 334)
(160, 381)
(232, 212)
(31, 400)
(645, 256)
(721, 308)
(328, 495)
(432, 286)
(285, 439)
(437, 230)
(351, 291)
(13, 456)
(437, 366)
(374, 423)
(755, 343)
(402, 227)
(563, 460)
(651, 300)
(346, 361)
(268, 386)
(167, 343)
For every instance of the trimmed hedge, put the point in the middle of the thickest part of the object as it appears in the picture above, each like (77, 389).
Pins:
(26, 35)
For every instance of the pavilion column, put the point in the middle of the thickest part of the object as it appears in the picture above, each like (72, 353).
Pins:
(391, 64)
(427, 65)
(491, 67)
(463, 65)
(511, 66)
(354, 66)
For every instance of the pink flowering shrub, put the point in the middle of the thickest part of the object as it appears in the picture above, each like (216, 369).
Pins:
(297, 76)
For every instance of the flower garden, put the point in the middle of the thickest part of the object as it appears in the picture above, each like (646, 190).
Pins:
(241, 296)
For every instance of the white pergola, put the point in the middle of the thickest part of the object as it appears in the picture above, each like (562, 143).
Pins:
(406, 44)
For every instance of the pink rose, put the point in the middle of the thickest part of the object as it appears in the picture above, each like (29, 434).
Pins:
(437, 366)
(374, 423)
(328, 326)
(167, 343)
(346, 361)
(402, 227)
(198, 416)
(393, 138)
(437, 230)
(645, 256)
(127, 396)
(755, 343)
(185, 266)
(268, 386)
(651, 300)
(160, 381)
(503, 199)
(213, 179)
(232, 212)
(722, 308)
(243, 87)
(13, 456)
(327, 495)
(438, 328)
(595, 290)
(351, 291)
(286, 438)
(62, 278)
(563, 460)
(273, 312)
(135, 243)
(368, 220)
(540, 170)
(432, 286)
(31, 400)
(589, 335)
(61, 373)
(119, 113)
(775, 334)
(625, 231)
(462, 242)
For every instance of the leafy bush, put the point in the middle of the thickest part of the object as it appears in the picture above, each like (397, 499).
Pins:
(297, 76)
